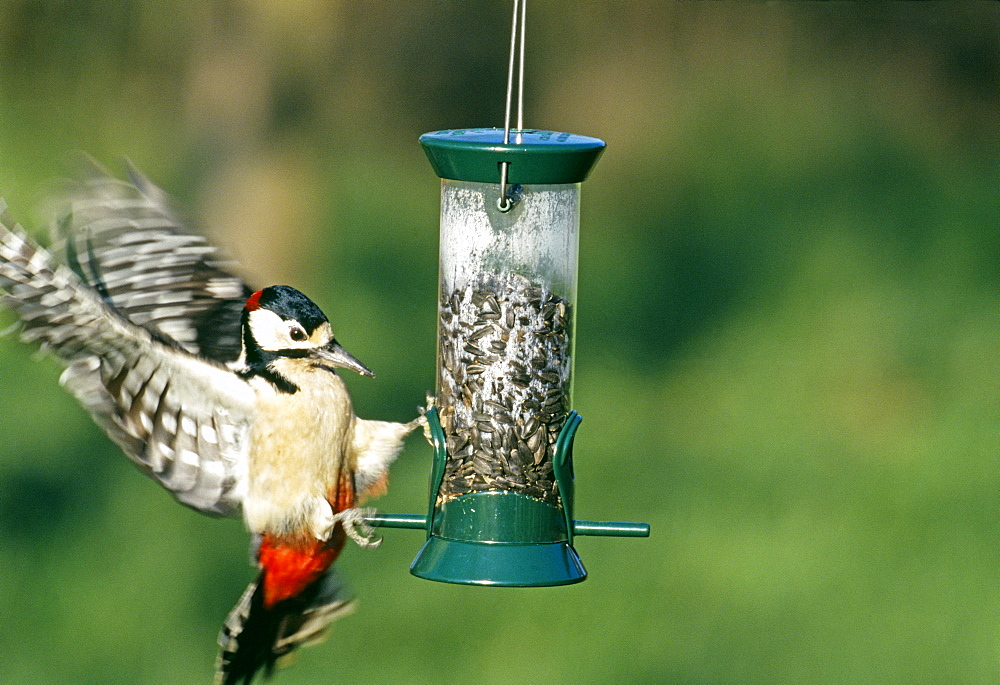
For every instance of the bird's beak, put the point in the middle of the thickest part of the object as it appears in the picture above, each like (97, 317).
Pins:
(335, 355)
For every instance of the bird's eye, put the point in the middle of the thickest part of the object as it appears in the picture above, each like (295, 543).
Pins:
(297, 334)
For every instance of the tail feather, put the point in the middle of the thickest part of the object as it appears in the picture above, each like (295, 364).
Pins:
(255, 637)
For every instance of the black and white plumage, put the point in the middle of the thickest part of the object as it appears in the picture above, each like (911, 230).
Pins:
(183, 419)
(125, 240)
(228, 398)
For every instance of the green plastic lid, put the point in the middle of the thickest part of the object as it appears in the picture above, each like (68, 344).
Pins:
(475, 154)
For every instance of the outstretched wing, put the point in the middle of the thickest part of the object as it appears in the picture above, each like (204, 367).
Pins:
(125, 241)
(183, 420)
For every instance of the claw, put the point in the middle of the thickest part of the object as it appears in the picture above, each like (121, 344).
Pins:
(355, 522)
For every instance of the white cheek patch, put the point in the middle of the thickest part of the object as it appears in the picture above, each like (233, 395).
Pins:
(272, 332)
(268, 329)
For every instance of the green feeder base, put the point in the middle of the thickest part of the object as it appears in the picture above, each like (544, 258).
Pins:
(499, 538)
(502, 565)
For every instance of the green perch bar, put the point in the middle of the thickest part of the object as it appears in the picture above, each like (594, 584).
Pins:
(616, 529)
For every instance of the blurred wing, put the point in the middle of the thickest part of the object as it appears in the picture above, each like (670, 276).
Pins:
(124, 240)
(183, 420)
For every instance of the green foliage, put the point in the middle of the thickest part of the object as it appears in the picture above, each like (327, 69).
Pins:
(787, 349)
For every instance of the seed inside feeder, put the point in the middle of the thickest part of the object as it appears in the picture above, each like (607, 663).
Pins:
(502, 385)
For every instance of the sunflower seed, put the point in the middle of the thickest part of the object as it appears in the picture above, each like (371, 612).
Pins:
(498, 406)
(480, 333)
(504, 418)
(491, 303)
(529, 427)
(520, 380)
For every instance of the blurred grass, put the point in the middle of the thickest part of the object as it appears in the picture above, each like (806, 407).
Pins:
(787, 354)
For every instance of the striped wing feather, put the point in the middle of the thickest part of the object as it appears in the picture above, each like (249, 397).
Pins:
(182, 419)
(125, 240)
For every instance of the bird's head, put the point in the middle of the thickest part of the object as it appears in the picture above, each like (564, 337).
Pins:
(281, 322)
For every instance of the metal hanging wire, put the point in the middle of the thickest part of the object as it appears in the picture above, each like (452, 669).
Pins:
(505, 203)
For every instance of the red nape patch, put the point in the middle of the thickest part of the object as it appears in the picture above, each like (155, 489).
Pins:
(290, 567)
(253, 302)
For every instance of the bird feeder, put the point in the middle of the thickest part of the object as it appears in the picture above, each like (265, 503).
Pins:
(500, 508)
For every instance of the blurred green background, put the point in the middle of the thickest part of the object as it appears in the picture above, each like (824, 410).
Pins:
(787, 346)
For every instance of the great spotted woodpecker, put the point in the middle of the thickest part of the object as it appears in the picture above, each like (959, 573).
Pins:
(229, 398)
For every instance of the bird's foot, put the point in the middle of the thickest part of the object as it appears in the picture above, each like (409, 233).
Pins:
(422, 419)
(355, 522)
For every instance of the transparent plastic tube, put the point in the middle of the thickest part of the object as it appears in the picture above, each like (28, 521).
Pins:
(507, 294)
